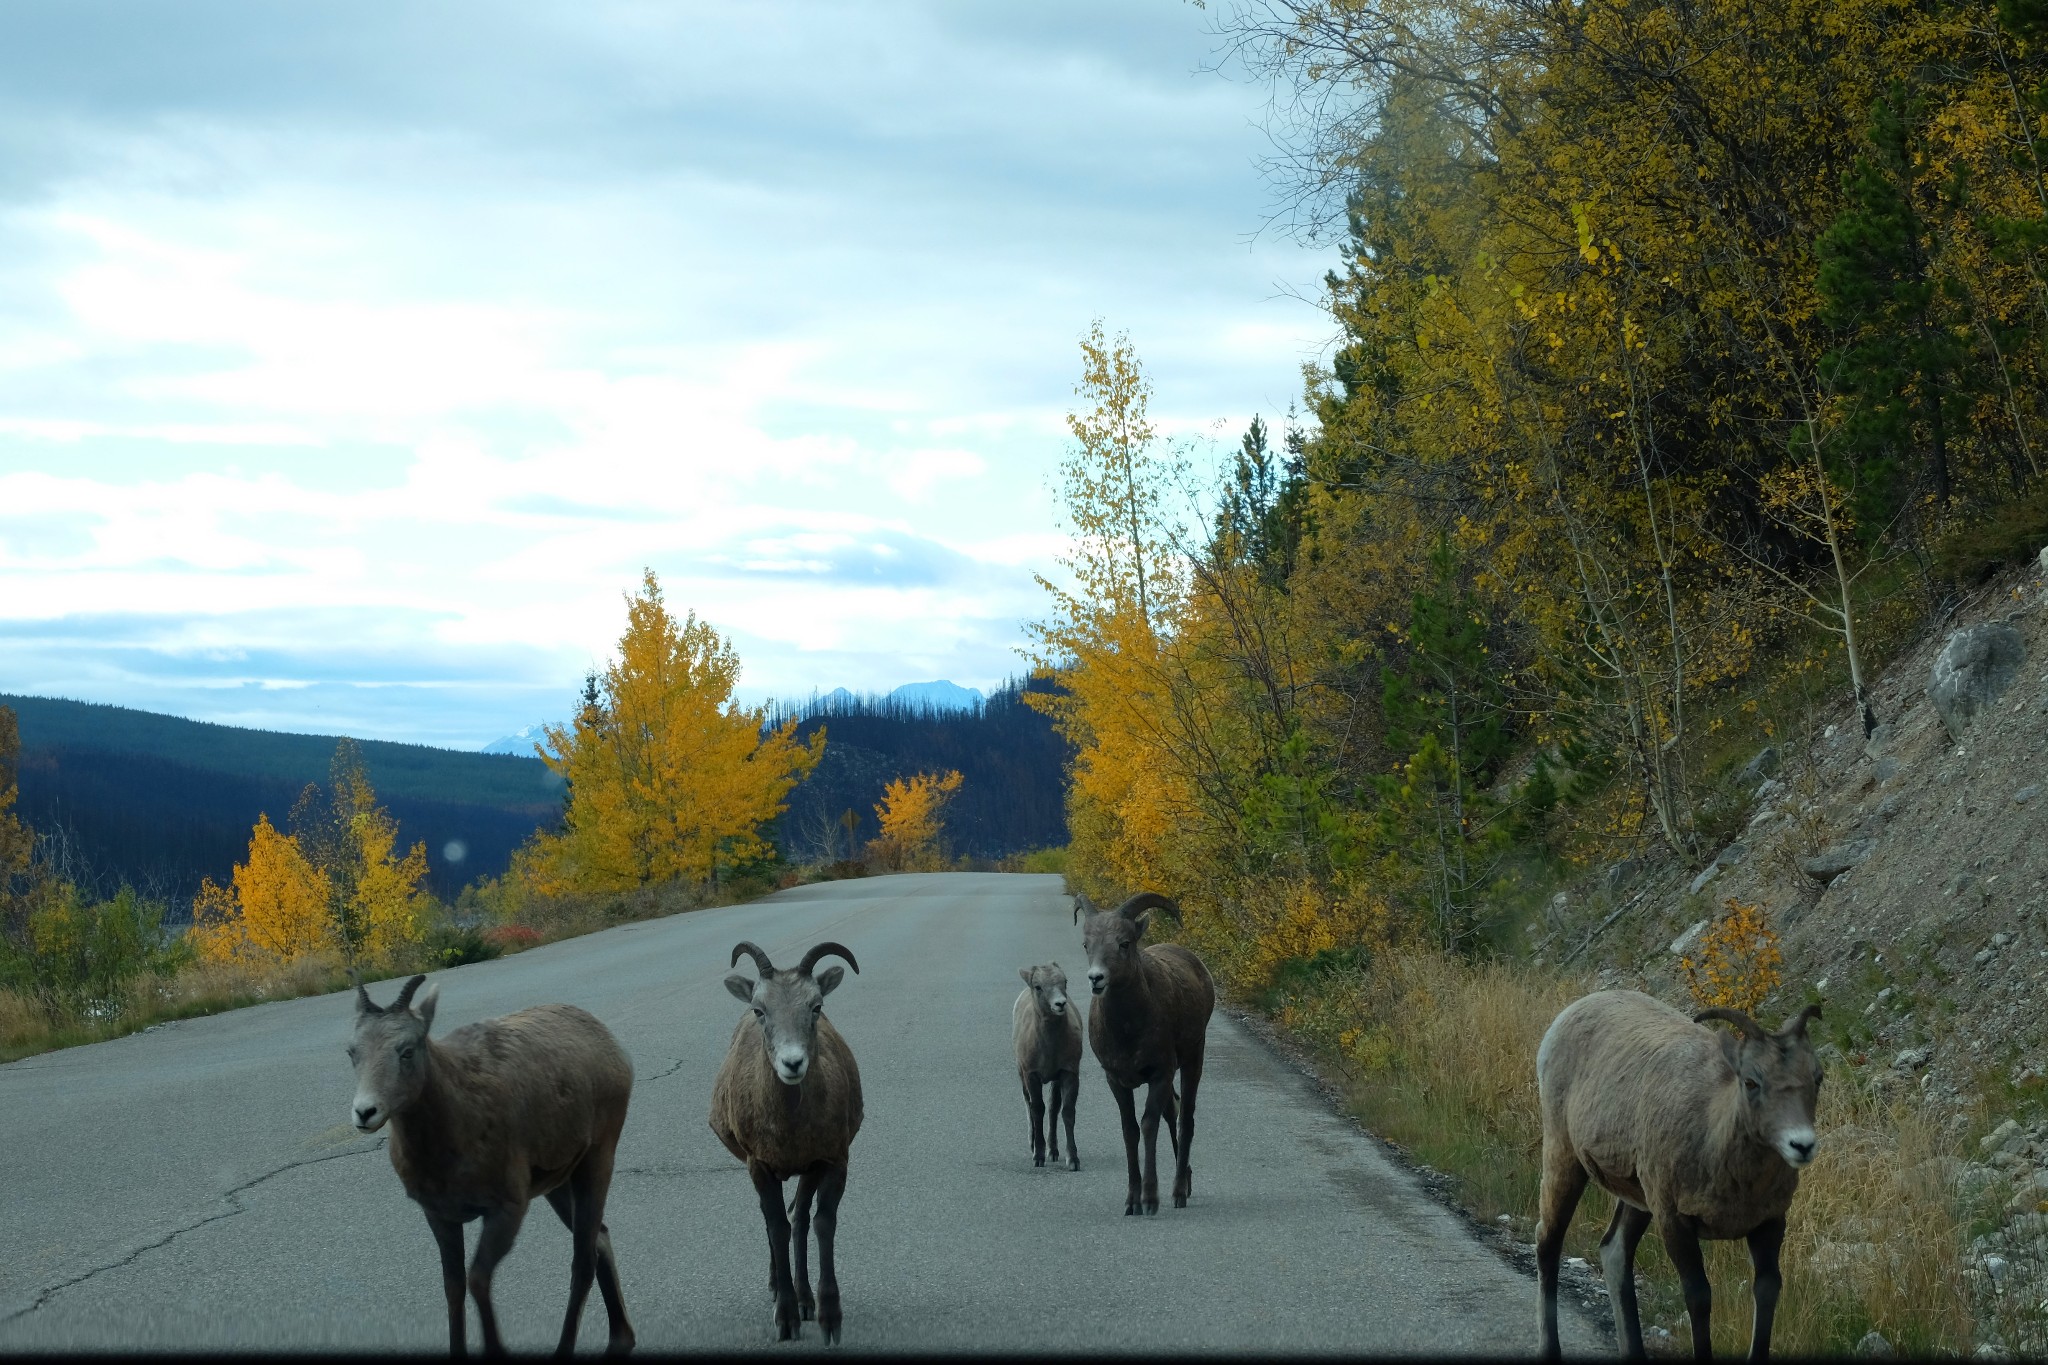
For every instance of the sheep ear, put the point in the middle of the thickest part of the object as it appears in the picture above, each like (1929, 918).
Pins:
(1025, 972)
(829, 979)
(741, 986)
(424, 1006)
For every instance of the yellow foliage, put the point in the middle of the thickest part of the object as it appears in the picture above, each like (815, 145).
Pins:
(1737, 963)
(388, 907)
(669, 777)
(910, 816)
(277, 910)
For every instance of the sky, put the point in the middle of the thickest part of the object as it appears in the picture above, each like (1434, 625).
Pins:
(356, 359)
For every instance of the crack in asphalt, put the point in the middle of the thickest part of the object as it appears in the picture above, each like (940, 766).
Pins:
(49, 1292)
(674, 1067)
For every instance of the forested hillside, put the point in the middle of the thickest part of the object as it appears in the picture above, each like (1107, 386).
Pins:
(160, 802)
(1010, 760)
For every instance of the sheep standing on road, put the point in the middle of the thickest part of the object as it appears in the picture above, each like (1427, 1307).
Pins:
(1149, 1019)
(488, 1117)
(1047, 1034)
(787, 1102)
(1705, 1132)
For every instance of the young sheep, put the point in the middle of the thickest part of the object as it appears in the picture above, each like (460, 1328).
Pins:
(787, 1102)
(1705, 1132)
(1149, 1019)
(1047, 1034)
(485, 1119)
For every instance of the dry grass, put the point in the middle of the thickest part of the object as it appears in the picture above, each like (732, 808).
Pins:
(29, 1025)
(1438, 1055)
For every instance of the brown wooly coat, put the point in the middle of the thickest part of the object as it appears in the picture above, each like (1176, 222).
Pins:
(1651, 1104)
(509, 1109)
(1048, 1048)
(787, 1129)
(1144, 1027)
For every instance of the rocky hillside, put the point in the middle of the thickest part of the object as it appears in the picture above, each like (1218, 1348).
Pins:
(1907, 877)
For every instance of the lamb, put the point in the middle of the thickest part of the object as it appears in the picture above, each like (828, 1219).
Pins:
(485, 1119)
(1047, 1035)
(1149, 1019)
(1705, 1132)
(787, 1102)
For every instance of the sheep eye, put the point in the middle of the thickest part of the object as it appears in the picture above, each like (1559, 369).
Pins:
(405, 1054)
(818, 1007)
(759, 1012)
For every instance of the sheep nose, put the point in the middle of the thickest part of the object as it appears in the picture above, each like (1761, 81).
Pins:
(1059, 1007)
(1802, 1148)
(1096, 979)
(364, 1114)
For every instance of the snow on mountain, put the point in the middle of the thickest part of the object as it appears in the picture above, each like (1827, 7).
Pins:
(520, 742)
(942, 695)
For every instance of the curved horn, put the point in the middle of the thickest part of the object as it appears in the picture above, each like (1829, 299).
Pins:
(1750, 1028)
(819, 950)
(760, 958)
(364, 1004)
(405, 996)
(1148, 900)
(1795, 1027)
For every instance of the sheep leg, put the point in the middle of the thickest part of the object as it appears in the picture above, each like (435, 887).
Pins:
(580, 1204)
(1184, 1175)
(1618, 1261)
(1127, 1110)
(1071, 1089)
(1034, 1095)
(500, 1230)
(800, 1242)
(1764, 1242)
(830, 1188)
(1563, 1182)
(448, 1237)
(1158, 1099)
(1682, 1244)
(1052, 1117)
(769, 1190)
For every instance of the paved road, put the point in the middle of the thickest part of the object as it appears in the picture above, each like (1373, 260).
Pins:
(199, 1186)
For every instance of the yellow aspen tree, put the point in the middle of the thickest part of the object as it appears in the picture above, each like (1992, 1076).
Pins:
(280, 902)
(669, 777)
(17, 841)
(389, 905)
(911, 818)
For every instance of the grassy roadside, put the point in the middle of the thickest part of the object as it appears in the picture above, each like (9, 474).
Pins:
(31, 1024)
(1437, 1056)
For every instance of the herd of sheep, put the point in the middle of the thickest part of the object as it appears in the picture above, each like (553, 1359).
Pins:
(1703, 1132)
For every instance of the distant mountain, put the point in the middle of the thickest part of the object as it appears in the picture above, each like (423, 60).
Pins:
(160, 802)
(940, 696)
(520, 741)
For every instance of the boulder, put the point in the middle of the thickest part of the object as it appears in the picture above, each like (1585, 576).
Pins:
(1976, 665)
(1683, 943)
(1832, 862)
(1764, 765)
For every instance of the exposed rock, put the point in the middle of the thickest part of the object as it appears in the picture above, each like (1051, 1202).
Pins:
(1873, 1344)
(1912, 1059)
(1886, 769)
(1832, 862)
(1976, 665)
(1765, 764)
(1683, 943)
(1707, 874)
(1996, 1267)
(2026, 794)
(2005, 1137)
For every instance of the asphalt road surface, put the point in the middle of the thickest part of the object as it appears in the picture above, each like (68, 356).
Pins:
(199, 1185)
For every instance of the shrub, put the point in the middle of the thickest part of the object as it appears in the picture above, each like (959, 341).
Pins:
(450, 945)
(2007, 535)
(1737, 961)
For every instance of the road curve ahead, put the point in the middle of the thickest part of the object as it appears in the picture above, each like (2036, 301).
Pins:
(198, 1186)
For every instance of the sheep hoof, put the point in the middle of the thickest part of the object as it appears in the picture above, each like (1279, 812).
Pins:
(1074, 1163)
(1180, 1201)
(1038, 1160)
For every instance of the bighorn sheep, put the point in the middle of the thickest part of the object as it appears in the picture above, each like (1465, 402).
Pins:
(488, 1117)
(787, 1102)
(1149, 1019)
(1705, 1132)
(1047, 1034)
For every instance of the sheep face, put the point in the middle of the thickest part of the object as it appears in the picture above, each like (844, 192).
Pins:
(388, 1052)
(1048, 989)
(787, 1006)
(1780, 1079)
(1112, 941)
